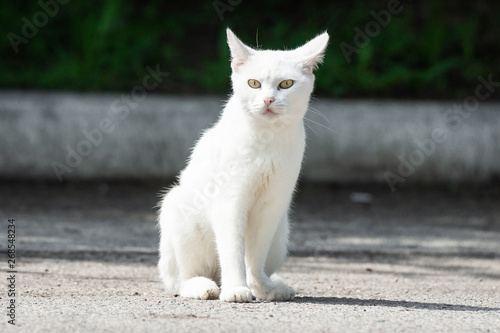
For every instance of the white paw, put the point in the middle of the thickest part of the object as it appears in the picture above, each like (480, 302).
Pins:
(277, 291)
(236, 294)
(200, 288)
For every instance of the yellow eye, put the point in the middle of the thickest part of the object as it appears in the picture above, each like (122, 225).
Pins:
(254, 83)
(285, 84)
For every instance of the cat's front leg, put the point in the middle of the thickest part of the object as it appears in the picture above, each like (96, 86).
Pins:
(271, 289)
(265, 251)
(229, 228)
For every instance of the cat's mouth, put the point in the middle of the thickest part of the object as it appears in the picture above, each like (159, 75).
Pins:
(270, 112)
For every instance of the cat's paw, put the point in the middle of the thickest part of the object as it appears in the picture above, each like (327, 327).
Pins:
(200, 288)
(236, 294)
(276, 291)
(279, 293)
(270, 290)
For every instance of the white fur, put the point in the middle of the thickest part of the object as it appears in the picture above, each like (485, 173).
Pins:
(226, 221)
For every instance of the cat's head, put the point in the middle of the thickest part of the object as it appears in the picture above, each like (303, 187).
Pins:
(273, 83)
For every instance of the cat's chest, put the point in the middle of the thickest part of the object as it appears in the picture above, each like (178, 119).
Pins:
(272, 159)
(273, 167)
(258, 160)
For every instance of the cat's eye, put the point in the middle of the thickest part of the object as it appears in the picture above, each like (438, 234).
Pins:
(254, 83)
(285, 84)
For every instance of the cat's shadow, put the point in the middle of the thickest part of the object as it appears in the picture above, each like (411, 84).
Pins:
(409, 305)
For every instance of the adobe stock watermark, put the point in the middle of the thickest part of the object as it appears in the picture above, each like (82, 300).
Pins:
(225, 6)
(453, 117)
(118, 112)
(371, 30)
(30, 28)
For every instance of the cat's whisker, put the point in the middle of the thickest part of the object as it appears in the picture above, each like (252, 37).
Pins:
(320, 125)
(316, 111)
(309, 126)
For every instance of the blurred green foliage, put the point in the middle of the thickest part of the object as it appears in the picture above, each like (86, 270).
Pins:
(428, 50)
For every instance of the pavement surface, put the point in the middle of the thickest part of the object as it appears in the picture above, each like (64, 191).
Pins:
(363, 259)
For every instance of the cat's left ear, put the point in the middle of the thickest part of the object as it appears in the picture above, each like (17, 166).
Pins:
(239, 51)
(311, 54)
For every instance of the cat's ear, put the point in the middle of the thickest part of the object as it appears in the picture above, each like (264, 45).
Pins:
(239, 51)
(311, 54)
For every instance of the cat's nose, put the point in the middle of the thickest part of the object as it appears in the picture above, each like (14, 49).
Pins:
(268, 101)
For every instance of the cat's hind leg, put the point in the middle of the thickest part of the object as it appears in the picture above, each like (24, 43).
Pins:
(167, 264)
(167, 267)
(188, 262)
(188, 268)
(199, 270)
(189, 280)
(200, 287)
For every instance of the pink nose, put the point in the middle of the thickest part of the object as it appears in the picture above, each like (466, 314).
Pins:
(268, 101)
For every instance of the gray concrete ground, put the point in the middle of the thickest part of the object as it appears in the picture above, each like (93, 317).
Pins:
(416, 260)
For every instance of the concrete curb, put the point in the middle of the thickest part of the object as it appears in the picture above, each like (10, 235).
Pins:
(55, 136)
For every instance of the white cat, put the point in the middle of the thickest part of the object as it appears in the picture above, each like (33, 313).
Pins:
(226, 221)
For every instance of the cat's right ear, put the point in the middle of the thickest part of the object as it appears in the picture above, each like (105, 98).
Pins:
(311, 54)
(239, 51)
